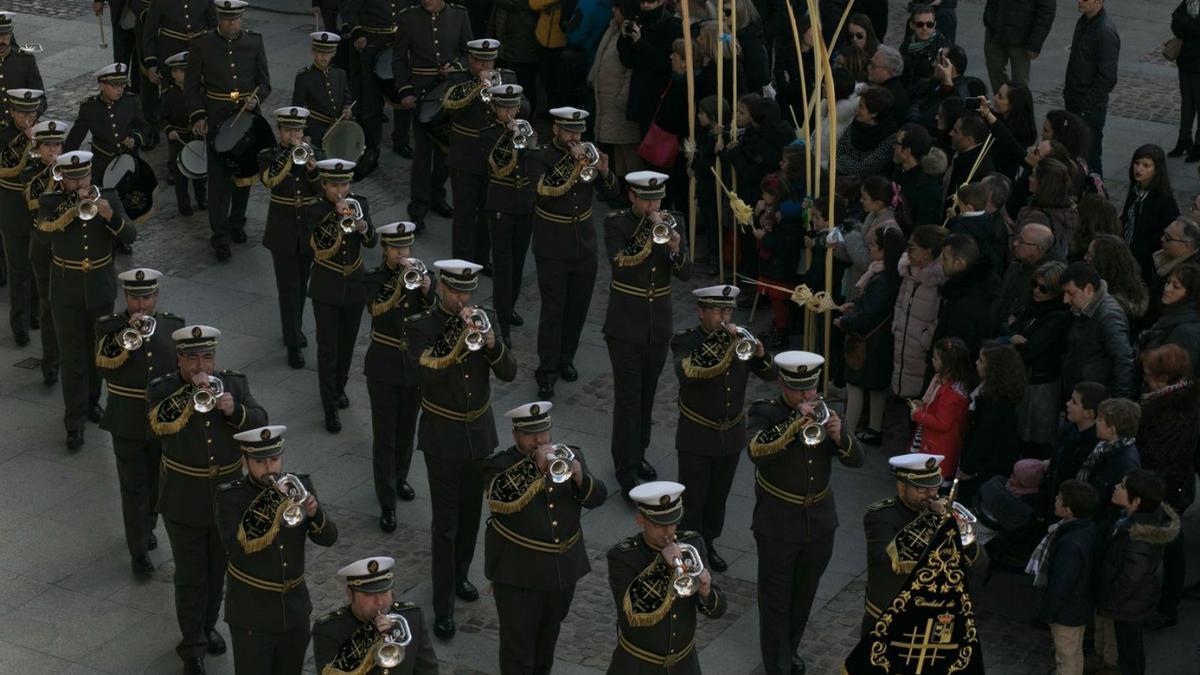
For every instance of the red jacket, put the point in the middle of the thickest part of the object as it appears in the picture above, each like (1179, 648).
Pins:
(941, 425)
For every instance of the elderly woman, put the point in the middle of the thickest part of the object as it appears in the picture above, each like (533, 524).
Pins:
(1040, 336)
(915, 316)
(1179, 321)
(865, 149)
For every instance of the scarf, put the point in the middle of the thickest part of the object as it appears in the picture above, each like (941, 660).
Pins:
(1163, 264)
(1102, 451)
(1183, 383)
(1037, 562)
(1131, 214)
(919, 46)
(874, 268)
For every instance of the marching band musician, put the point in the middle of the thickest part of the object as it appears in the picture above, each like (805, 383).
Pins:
(458, 355)
(373, 28)
(227, 72)
(112, 117)
(898, 530)
(18, 69)
(637, 326)
(165, 28)
(466, 158)
(656, 626)
(264, 527)
(16, 140)
(794, 513)
(83, 285)
(348, 640)
(534, 548)
(322, 88)
(429, 37)
(124, 40)
(129, 355)
(393, 381)
(196, 419)
(564, 244)
(38, 178)
(339, 232)
(293, 189)
(509, 203)
(174, 118)
(711, 432)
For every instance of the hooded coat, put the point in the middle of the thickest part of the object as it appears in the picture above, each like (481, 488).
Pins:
(913, 325)
(1129, 578)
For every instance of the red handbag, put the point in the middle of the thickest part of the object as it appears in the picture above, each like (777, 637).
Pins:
(659, 147)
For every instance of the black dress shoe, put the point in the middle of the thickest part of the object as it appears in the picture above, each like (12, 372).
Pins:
(295, 357)
(465, 590)
(216, 643)
(715, 561)
(35, 321)
(342, 401)
(1181, 147)
(405, 491)
(74, 439)
(402, 149)
(142, 567)
(441, 208)
(567, 372)
(546, 391)
(50, 377)
(302, 342)
(645, 471)
(194, 666)
(516, 319)
(238, 236)
(387, 520)
(332, 424)
(443, 627)
(95, 413)
(151, 542)
(869, 436)
(21, 337)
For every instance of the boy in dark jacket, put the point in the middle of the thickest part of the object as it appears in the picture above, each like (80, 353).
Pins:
(1115, 454)
(1076, 439)
(1129, 581)
(1067, 601)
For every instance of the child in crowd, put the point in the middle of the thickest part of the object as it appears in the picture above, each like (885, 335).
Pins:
(706, 184)
(1115, 453)
(778, 252)
(941, 414)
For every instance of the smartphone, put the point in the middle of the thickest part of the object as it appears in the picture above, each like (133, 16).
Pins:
(627, 27)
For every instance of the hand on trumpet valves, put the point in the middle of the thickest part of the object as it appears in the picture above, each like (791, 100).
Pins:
(344, 208)
(489, 337)
(672, 555)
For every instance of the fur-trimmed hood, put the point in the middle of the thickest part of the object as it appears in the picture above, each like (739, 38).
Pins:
(1158, 529)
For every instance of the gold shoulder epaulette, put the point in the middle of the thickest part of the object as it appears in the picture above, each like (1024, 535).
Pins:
(627, 544)
(882, 504)
(324, 618)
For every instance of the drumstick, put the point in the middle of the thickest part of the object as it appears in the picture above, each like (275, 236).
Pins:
(243, 108)
(337, 121)
(100, 20)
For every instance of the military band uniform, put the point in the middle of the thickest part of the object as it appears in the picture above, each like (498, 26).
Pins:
(83, 287)
(267, 605)
(16, 228)
(656, 629)
(637, 329)
(124, 40)
(794, 522)
(509, 210)
(37, 180)
(456, 431)
(109, 124)
(138, 451)
(466, 159)
(198, 454)
(393, 377)
(18, 70)
(342, 644)
(325, 93)
(293, 189)
(175, 116)
(424, 42)
(534, 554)
(375, 20)
(711, 432)
(165, 28)
(564, 248)
(222, 73)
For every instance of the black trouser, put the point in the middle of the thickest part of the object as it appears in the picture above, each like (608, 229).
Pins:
(456, 493)
(428, 173)
(226, 201)
(708, 480)
(76, 332)
(1095, 117)
(137, 473)
(529, 624)
(149, 96)
(124, 41)
(16, 232)
(552, 78)
(469, 238)
(372, 101)
(1189, 106)
(527, 77)
(199, 186)
(394, 409)
(39, 259)
(566, 289)
(199, 580)
(268, 653)
(1131, 652)
(1174, 571)
(788, 575)
(337, 329)
(635, 368)
(291, 285)
(510, 243)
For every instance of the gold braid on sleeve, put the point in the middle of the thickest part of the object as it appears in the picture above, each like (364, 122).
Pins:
(390, 295)
(778, 436)
(638, 248)
(171, 414)
(462, 94)
(449, 347)
(261, 521)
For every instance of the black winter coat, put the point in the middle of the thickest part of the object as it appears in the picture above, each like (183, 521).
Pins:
(649, 59)
(1150, 217)
(1067, 600)
(1092, 67)
(988, 232)
(1071, 448)
(967, 302)
(1187, 28)
(1098, 347)
(874, 311)
(1019, 23)
(1167, 435)
(1177, 324)
(990, 445)
(1105, 476)
(756, 155)
(783, 244)
(1044, 326)
(1129, 578)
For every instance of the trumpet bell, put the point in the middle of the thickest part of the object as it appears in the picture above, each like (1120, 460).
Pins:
(661, 232)
(688, 568)
(478, 326)
(301, 154)
(88, 208)
(414, 275)
(390, 655)
(297, 494)
(204, 399)
(590, 158)
(522, 133)
(966, 523)
(685, 586)
(130, 339)
(560, 465)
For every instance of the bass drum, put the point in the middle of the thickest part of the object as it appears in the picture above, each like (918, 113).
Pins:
(344, 140)
(193, 160)
(243, 159)
(137, 191)
(383, 65)
(121, 167)
(429, 107)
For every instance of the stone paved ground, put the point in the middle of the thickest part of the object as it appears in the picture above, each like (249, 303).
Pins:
(69, 605)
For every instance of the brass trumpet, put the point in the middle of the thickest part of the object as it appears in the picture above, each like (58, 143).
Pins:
(137, 332)
(297, 494)
(966, 520)
(88, 206)
(56, 173)
(590, 157)
(301, 153)
(661, 232)
(396, 639)
(414, 274)
(813, 431)
(688, 568)
(522, 134)
(478, 326)
(746, 344)
(561, 457)
(204, 399)
(349, 221)
(489, 79)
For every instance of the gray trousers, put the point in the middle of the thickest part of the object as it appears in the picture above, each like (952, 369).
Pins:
(998, 58)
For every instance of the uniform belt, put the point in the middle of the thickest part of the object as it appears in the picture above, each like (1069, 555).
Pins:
(518, 182)
(388, 340)
(650, 657)
(723, 425)
(201, 472)
(295, 202)
(186, 37)
(810, 499)
(14, 185)
(464, 130)
(418, 70)
(320, 117)
(228, 96)
(561, 218)
(127, 392)
(85, 265)
(102, 151)
(638, 291)
(467, 417)
(555, 548)
(344, 270)
(263, 584)
(379, 30)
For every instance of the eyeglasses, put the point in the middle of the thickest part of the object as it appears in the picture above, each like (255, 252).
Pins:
(1022, 242)
(1168, 239)
(858, 36)
(924, 24)
(1038, 286)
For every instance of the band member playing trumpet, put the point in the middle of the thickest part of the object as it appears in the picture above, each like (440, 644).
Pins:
(534, 547)
(264, 520)
(38, 178)
(16, 141)
(289, 171)
(466, 157)
(459, 352)
(196, 411)
(564, 241)
(322, 88)
(86, 224)
(112, 117)
(796, 437)
(135, 347)
(340, 222)
(659, 583)
(348, 640)
(174, 118)
(713, 362)
(645, 252)
(396, 290)
(227, 75)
